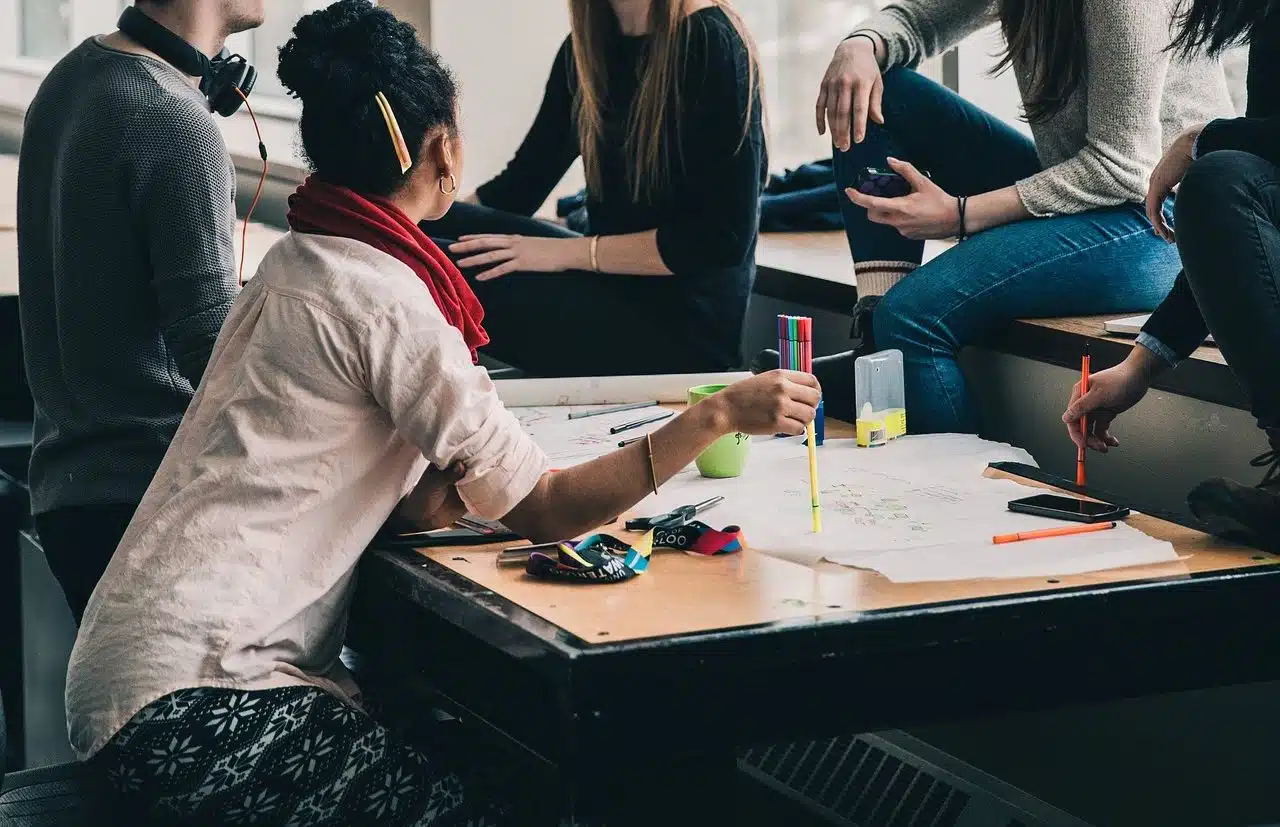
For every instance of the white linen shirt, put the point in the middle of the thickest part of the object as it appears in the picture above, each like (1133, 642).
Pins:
(334, 382)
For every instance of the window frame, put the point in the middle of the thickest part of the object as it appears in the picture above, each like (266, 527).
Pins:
(277, 116)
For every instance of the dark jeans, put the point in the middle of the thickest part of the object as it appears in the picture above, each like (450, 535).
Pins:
(1100, 261)
(1227, 209)
(573, 323)
(78, 543)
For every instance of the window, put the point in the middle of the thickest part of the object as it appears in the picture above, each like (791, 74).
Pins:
(263, 48)
(796, 39)
(47, 29)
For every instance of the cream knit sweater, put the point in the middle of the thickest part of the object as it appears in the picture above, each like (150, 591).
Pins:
(1135, 98)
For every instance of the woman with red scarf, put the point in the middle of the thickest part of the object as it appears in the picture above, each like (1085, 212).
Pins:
(205, 683)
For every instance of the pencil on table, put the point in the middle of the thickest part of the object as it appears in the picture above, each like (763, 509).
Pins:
(1044, 533)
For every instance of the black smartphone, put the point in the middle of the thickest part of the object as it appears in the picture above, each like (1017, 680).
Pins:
(1069, 508)
(883, 183)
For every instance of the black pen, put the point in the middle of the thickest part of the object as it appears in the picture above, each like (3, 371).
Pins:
(641, 422)
(624, 443)
(678, 516)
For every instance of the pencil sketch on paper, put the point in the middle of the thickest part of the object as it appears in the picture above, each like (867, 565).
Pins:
(864, 507)
(918, 510)
(529, 418)
(573, 441)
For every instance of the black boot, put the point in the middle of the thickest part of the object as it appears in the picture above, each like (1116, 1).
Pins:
(862, 332)
(1235, 511)
(835, 372)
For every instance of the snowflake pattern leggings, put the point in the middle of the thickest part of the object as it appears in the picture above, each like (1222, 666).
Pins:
(293, 756)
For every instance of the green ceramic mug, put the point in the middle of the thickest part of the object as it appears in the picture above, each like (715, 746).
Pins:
(727, 456)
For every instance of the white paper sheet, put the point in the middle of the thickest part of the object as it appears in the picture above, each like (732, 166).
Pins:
(916, 510)
(606, 390)
(575, 441)
(1118, 548)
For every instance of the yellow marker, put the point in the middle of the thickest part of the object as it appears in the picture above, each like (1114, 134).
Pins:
(813, 479)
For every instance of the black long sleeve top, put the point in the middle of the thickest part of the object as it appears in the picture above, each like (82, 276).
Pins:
(706, 220)
(1177, 327)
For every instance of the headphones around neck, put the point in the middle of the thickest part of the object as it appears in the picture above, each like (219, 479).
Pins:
(222, 80)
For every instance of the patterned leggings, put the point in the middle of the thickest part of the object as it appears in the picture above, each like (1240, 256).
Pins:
(278, 758)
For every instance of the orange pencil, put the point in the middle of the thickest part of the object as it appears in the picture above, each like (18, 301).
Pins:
(1065, 531)
(1084, 420)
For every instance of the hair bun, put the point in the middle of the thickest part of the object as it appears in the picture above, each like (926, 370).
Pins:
(340, 52)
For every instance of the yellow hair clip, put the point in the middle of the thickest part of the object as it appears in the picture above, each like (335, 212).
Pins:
(397, 137)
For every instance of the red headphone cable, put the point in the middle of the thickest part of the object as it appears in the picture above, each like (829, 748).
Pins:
(262, 180)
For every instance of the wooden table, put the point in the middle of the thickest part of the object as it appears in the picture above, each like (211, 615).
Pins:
(655, 684)
(809, 269)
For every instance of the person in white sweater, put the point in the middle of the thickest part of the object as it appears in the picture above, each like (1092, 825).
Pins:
(1051, 225)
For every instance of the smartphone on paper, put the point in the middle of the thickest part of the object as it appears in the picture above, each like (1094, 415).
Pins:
(882, 183)
(1069, 508)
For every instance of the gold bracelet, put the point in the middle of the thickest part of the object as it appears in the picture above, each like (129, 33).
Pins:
(653, 471)
(595, 259)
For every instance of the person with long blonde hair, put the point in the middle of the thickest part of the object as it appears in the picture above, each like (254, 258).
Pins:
(661, 100)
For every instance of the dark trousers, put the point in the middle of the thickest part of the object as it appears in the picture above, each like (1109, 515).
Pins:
(78, 543)
(287, 756)
(1227, 209)
(573, 323)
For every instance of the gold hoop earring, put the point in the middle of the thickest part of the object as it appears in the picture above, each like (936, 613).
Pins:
(453, 184)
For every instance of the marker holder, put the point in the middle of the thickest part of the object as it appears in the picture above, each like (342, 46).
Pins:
(880, 398)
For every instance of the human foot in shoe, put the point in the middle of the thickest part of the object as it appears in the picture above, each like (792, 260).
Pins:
(1230, 509)
(862, 332)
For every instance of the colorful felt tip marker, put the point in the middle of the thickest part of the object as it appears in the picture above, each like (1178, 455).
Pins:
(1084, 420)
(1065, 531)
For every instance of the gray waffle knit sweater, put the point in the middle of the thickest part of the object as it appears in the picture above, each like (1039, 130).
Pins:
(1100, 149)
(125, 266)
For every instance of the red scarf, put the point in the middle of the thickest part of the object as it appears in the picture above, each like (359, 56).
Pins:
(324, 209)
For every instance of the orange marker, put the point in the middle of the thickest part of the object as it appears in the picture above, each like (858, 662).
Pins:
(1065, 531)
(1084, 420)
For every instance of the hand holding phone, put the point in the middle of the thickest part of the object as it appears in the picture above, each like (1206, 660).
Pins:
(883, 183)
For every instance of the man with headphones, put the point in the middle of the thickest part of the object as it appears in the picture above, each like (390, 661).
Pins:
(126, 206)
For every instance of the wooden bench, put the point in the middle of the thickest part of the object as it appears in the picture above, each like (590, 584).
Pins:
(815, 270)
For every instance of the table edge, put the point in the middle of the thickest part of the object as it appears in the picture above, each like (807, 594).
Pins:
(471, 603)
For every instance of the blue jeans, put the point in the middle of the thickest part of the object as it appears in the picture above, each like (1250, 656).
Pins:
(1101, 261)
